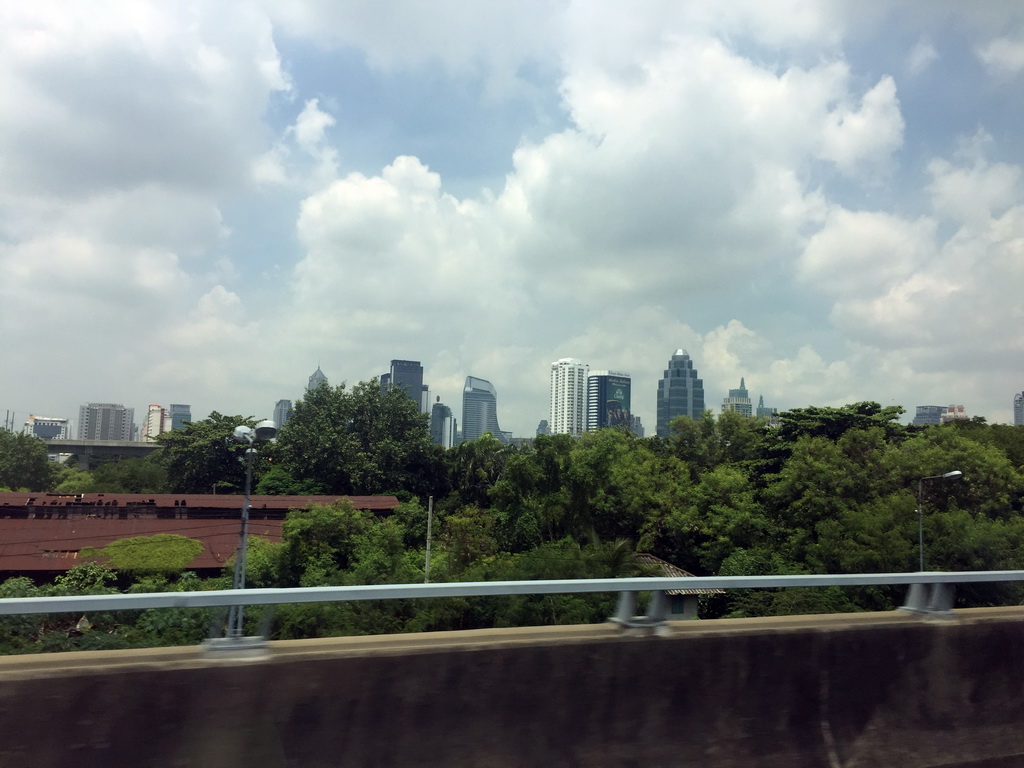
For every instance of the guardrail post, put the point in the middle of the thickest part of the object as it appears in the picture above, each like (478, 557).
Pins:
(930, 599)
(625, 611)
(626, 615)
(941, 602)
(658, 608)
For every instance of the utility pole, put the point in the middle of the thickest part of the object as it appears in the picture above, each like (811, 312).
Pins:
(430, 520)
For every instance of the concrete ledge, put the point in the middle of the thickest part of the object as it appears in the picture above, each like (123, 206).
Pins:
(850, 690)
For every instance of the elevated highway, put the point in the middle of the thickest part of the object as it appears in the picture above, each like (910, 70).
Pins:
(91, 453)
(893, 689)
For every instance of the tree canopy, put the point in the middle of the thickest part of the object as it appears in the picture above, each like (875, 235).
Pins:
(24, 464)
(359, 441)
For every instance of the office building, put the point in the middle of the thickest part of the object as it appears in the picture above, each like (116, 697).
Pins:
(543, 428)
(282, 412)
(480, 410)
(928, 414)
(953, 413)
(764, 412)
(180, 414)
(316, 379)
(406, 375)
(568, 411)
(636, 427)
(1018, 409)
(46, 428)
(608, 395)
(157, 421)
(106, 421)
(680, 392)
(739, 401)
(443, 428)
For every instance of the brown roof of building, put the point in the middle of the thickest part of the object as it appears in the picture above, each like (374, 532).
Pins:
(46, 532)
(667, 569)
(190, 500)
(39, 544)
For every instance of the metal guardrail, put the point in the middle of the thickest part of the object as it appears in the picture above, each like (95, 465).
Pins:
(930, 592)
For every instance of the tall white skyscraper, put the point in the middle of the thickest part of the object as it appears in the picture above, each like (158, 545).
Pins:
(568, 413)
(157, 421)
(1018, 409)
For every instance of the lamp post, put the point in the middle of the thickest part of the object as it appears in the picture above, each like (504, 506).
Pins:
(265, 430)
(956, 474)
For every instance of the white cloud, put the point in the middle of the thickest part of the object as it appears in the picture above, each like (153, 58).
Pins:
(860, 251)
(862, 137)
(1003, 56)
(717, 188)
(971, 195)
(921, 56)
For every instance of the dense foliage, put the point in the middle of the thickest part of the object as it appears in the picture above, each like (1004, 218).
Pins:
(831, 490)
(23, 463)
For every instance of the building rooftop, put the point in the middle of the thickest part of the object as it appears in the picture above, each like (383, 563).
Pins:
(42, 532)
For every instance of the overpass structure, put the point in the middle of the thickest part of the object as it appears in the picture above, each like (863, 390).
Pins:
(90, 453)
(903, 688)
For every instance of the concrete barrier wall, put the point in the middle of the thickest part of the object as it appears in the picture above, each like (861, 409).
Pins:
(868, 690)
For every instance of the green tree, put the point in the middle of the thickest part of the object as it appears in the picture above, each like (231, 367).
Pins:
(474, 468)
(24, 464)
(359, 441)
(73, 480)
(145, 475)
(833, 423)
(318, 542)
(202, 457)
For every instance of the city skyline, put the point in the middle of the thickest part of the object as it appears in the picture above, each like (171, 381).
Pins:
(826, 198)
(735, 399)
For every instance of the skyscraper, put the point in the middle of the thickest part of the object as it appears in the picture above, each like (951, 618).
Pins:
(316, 379)
(179, 414)
(157, 421)
(1018, 409)
(442, 425)
(406, 375)
(764, 412)
(282, 412)
(739, 401)
(568, 413)
(105, 421)
(680, 392)
(480, 410)
(608, 395)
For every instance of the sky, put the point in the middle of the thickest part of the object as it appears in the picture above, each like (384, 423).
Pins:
(201, 202)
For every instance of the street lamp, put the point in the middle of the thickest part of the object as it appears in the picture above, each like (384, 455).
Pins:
(956, 474)
(265, 430)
